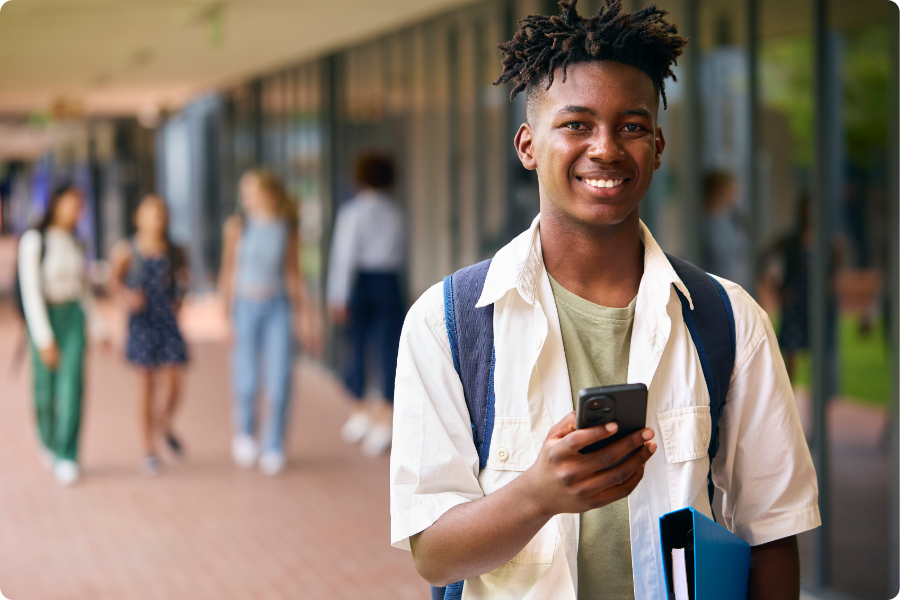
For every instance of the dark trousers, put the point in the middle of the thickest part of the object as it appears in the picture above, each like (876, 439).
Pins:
(376, 318)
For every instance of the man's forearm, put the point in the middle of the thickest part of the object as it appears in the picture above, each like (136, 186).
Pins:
(775, 570)
(477, 537)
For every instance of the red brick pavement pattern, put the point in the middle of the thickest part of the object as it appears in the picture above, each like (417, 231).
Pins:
(202, 529)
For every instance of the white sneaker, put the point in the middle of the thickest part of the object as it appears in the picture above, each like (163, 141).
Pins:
(272, 463)
(377, 440)
(356, 427)
(243, 450)
(66, 472)
(47, 458)
(151, 464)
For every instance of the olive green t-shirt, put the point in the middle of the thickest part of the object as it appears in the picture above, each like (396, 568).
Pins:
(597, 341)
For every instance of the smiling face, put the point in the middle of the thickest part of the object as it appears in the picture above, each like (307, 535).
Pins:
(594, 142)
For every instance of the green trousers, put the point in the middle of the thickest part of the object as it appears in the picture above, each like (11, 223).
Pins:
(57, 394)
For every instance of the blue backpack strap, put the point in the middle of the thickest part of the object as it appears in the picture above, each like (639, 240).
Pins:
(711, 325)
(471, 334)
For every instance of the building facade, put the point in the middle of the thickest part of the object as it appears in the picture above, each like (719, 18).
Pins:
(784, 112)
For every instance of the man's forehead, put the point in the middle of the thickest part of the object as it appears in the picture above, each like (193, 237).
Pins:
(595, 85)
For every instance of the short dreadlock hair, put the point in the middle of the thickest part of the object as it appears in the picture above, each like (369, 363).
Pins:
(641, 39)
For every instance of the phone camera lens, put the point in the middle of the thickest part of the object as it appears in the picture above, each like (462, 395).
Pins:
(593, 405)
(607, 409)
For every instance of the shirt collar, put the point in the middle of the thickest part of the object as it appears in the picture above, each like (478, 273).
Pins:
(371, 194)
(518, 265)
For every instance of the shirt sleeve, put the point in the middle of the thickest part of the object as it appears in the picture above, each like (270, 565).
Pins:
(763, 465)
(434, 463)
(342, 266)
(31, 288)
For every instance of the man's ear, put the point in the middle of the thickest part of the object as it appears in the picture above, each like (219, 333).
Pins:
(525, 147)
(660, 146)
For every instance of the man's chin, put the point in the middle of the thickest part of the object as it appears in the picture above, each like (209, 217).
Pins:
(602, 216)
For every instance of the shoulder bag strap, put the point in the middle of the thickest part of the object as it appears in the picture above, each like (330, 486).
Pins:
(711, 325)
(471, 334)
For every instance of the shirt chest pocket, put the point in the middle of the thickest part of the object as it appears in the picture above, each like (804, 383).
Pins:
(685, 438)
(512, 449)
(685, 433)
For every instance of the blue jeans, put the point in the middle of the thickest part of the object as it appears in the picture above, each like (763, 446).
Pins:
(262, 331)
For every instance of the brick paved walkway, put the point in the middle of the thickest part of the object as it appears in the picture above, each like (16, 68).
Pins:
(202, 529)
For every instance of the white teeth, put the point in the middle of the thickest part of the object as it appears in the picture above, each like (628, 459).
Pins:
(604, 183)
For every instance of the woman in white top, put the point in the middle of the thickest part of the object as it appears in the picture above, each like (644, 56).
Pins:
(56, 298)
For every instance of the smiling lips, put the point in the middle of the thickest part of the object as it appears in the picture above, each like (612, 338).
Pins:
(603, 183)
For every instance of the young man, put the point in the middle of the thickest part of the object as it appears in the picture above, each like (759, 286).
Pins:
(586, 297)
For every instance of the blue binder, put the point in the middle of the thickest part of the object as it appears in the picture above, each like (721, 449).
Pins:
(718, 562)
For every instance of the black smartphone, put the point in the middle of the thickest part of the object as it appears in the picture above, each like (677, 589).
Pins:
(624, 404)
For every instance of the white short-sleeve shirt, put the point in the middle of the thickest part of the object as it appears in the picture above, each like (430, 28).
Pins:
(763, 464)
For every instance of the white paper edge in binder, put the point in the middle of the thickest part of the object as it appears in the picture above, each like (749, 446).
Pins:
(679, 574)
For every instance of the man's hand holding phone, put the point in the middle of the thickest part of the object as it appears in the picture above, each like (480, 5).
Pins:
(562, 480)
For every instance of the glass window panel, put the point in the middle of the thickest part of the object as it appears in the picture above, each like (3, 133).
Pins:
(664, 202)
(859, 40)
(496, 138)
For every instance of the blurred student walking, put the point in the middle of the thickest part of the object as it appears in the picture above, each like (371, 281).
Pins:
(724, 243)
(265, 295)
(151, 276)
(56, 298)
(367, 256)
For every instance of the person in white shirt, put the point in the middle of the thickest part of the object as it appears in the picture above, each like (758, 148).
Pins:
(56, 299)
(519, 527)
(364, 295)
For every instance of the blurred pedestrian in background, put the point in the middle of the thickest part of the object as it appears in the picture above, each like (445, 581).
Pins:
(151, 276)
(796, 251)
(725, 245)
(265, 294)
(364, 295)
(56, 299)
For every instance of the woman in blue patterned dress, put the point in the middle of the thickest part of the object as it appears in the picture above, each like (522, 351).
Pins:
(150, 275)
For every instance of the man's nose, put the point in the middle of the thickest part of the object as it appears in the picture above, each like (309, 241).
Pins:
(605, 146)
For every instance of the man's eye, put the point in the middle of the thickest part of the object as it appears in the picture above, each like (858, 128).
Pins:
(574, 126)
(633, 128)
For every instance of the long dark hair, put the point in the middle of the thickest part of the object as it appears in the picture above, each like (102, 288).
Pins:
(58, 192)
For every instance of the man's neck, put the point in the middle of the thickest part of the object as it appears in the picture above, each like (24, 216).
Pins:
(601, 265)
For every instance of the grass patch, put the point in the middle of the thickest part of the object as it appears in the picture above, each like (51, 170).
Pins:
(864, 360)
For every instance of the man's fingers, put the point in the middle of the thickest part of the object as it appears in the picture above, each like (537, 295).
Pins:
(619, 449)
(618, 475)
(610, 495)
(565, 426)
(580, 438)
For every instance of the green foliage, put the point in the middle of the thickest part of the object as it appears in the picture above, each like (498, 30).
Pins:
(787, 72)
(865, 75)
(786, 81)
(864, 364)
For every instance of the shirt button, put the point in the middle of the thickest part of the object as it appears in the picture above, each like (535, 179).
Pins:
(502, 454)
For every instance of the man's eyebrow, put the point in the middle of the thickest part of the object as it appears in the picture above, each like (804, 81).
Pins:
(640, 112)
(574, 108)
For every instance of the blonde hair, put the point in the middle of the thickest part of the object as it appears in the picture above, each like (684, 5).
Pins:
(271, 183)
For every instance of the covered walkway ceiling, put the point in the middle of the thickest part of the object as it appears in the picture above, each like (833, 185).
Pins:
(127, 56)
